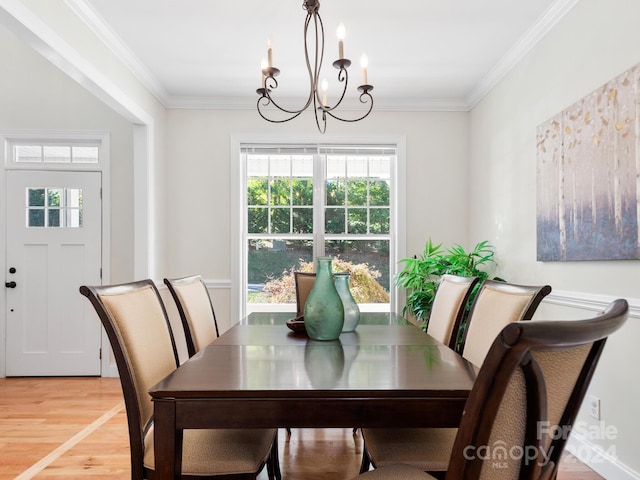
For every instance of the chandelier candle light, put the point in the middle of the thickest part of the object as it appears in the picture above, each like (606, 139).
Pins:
(318, 98)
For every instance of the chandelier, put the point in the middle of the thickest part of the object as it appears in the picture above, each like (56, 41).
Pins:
(321, 108)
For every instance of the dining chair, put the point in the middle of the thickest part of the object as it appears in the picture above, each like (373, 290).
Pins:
(449, 306)
(196, 311)
(143, 345)
(524, 401)
(496, 305)
(304, 283)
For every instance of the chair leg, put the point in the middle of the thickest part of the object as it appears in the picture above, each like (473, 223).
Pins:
(274, 460)
(270, 473)
(366, 461)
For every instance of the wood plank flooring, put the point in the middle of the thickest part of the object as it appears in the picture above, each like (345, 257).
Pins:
(68, 428)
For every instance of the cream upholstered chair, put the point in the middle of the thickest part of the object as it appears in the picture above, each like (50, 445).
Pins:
(196, 311)
(137, 325)
(529, 388)
(448, 308)
(496, 305)
(304, 283)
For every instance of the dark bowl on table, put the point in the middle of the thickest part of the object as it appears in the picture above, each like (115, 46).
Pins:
(296, 324)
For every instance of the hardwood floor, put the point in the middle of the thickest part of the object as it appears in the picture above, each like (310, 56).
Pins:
(67, 428)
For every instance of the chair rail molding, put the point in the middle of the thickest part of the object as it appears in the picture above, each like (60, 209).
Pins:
(589, 301)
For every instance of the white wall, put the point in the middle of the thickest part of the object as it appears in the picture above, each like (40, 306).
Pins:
(61, 35)
(596, 41)
(198, 178)
(35, 95)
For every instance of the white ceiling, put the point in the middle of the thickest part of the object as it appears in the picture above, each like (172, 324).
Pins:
(423, 54)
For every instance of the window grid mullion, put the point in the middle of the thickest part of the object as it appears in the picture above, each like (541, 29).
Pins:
(319, 202)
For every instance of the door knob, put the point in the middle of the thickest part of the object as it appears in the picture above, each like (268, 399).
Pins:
(11, 284)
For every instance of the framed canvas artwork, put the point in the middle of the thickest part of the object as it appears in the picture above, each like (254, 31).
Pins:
(588, 176)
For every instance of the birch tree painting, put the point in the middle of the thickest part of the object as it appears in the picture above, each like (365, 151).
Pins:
(588, 176)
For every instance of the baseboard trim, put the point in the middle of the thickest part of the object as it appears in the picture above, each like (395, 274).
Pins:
(601, 462)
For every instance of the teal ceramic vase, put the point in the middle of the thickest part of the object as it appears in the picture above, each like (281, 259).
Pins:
(323, 311)
(349, 305)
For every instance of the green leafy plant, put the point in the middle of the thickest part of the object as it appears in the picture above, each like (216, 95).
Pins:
(421, 275)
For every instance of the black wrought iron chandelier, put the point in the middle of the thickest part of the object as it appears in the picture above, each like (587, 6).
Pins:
(319, 100)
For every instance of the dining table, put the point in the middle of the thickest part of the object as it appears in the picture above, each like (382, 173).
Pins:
(261, 374)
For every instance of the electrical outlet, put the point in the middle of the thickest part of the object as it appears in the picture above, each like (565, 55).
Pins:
(594, 407)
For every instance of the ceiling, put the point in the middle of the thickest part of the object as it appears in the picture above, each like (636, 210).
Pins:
(423, 54)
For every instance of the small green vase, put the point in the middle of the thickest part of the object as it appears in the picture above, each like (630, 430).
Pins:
(323, 310)
(351, 309)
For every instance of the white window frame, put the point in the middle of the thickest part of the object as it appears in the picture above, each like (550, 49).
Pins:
(397, 247)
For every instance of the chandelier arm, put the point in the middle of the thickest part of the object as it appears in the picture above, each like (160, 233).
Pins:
(364, 98)
(294, 113)
(268, 96)
(271, 84)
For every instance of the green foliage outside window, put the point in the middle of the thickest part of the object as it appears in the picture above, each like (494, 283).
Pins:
(363, 283)
(280, 202)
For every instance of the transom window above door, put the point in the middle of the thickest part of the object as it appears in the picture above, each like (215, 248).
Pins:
(63, 154)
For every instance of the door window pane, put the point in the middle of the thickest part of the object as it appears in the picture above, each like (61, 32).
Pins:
(35, 197)
(54, 218)
(54, 207)
(35, 217)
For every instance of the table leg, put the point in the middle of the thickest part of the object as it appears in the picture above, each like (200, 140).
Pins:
(167, 441)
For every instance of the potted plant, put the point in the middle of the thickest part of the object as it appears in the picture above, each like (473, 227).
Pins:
(421, 275)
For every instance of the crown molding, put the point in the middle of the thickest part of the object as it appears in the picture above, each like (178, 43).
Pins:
(39, 36)
(550, 18)
(119, 48)
(515, 54)
(249, 103)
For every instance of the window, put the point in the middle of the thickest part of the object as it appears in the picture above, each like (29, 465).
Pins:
(61, 154)
(54, 207)
(302, 201)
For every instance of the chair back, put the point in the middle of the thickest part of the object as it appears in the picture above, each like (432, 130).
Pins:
(449, 306)
(138, 328)
(496, 305)
(527, 395)
(196, 311)
(304, 283)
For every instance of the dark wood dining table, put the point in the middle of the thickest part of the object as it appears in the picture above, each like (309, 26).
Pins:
(259, 374)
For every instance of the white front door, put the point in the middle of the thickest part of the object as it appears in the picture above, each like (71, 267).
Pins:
(53, 247)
